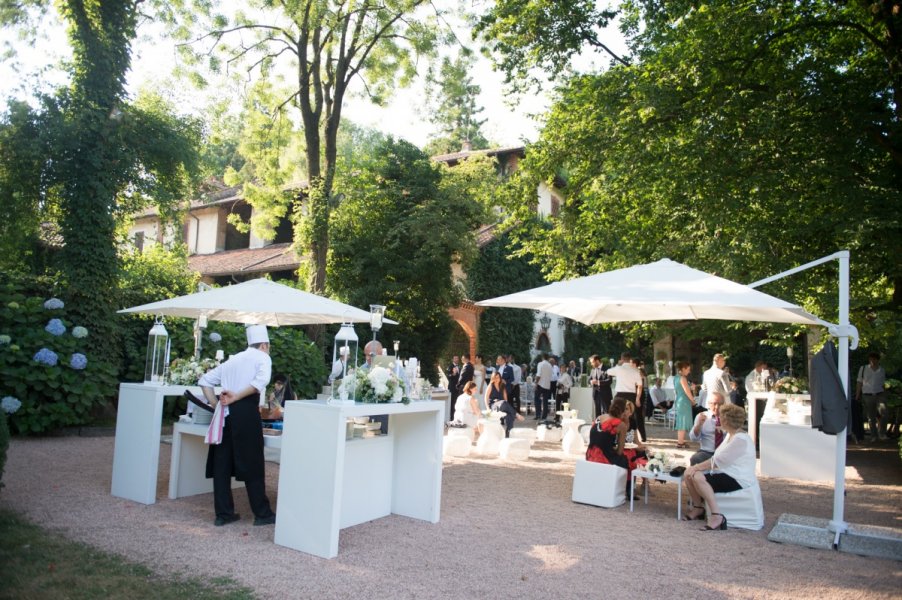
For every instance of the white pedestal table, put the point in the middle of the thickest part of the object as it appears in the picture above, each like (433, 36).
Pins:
(328, 483)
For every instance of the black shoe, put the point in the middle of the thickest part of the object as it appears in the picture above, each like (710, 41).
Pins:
(220, 521)
(270, 520)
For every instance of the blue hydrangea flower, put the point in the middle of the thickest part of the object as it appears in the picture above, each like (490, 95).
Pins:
(215, 337)
(10, 404)
(54, 304)
(79, 332)
(45, 356)
(5, 339)
(55, 327)
(78, 361)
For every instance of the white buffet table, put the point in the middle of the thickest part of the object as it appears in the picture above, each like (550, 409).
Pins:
(789, 447)
(581, 401)
(136, 455)
(328, 483)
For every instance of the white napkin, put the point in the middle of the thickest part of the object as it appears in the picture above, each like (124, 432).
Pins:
(214, 432)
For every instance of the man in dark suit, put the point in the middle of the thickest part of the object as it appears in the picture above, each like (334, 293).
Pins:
(453, 374)
(507, 376)
(466, 373)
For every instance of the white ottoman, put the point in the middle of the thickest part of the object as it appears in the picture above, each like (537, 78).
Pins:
(514, 449)
(548, 434)
(742, 508)
(524, 433)
(599, 484)
(456, 445)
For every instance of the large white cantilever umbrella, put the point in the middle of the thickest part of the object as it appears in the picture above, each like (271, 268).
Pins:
(257, 301)
(661, 291)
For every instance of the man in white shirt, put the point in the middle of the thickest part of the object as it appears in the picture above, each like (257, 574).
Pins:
(243, 378)
(871, 383)
(339, 366)
(659, 396)
(555, 375)
(715, 380)
(755, 379)
(705, 431)
(628, 384)
(543, 388)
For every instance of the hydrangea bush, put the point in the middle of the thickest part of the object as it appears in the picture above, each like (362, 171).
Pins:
(45, 365)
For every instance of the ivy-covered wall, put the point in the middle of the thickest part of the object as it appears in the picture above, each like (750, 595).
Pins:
(495, 273)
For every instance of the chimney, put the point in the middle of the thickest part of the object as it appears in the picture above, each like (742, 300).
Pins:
(466, 146)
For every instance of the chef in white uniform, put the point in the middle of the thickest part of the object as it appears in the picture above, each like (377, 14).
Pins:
(237, 448)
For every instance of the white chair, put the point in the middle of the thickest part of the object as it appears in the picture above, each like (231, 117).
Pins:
(658, 414)
(514, 449)
(456, 445)
(467, 432)
(599, 484)
(742, 508)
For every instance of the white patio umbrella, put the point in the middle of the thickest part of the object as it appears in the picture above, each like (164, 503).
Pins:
(257, 301)
(661, 291)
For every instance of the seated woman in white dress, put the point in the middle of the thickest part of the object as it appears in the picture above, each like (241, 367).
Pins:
(731, 468)
(466, 408)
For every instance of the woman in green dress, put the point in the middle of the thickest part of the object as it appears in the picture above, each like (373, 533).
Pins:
(684, 403)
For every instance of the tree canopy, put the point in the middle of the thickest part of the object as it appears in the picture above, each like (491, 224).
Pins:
(325, 45)
(744, 139)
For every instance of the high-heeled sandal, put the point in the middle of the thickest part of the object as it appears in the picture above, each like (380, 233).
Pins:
(722, 526)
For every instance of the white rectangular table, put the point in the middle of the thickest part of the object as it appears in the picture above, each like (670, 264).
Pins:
(188, 466)
(136, 453)
(328, 483)
(640, 474)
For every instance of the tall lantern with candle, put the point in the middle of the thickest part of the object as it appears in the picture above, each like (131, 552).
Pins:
(157, 354)
(377, 312)
(344, 349)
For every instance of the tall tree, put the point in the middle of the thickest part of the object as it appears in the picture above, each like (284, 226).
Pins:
(102, 156)
(326, 45)
(395, 238)
(454, 107)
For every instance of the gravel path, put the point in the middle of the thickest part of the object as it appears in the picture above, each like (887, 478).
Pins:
(506, 531)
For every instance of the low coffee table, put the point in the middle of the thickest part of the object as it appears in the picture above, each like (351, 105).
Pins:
(638, 473)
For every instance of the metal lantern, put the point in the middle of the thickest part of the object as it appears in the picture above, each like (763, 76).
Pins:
(344, 349)
(157, 354)
(377, 312)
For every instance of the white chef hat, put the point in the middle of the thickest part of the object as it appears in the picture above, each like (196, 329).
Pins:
(257, 334)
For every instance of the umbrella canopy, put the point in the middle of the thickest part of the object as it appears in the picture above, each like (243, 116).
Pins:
(659, 291)
(257, 301)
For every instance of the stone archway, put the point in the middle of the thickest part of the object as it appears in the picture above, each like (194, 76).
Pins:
(466, 314)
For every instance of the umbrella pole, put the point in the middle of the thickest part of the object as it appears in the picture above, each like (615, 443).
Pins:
(838, 524)
(842, 331)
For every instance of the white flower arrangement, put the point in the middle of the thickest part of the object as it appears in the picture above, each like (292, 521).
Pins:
(184, 371)
(378, 385)
(659, 462)
(790, 385)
